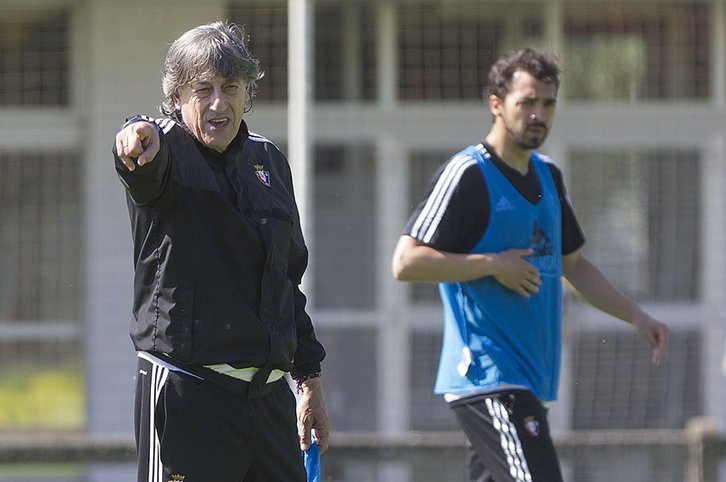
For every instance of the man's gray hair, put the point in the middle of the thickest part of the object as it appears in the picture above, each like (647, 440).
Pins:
(211, 50)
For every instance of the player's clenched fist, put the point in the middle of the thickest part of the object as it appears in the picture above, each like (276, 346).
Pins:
(137, 144)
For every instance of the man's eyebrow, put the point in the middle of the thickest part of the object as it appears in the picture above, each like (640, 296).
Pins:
(202, 79)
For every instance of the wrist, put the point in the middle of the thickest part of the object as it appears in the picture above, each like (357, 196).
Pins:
(311, 380)
(638, 316)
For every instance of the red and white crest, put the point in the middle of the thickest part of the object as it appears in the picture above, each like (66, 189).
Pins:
(531, 425)
(262, 175)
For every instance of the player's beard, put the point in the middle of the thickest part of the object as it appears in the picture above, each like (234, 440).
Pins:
(531, 141)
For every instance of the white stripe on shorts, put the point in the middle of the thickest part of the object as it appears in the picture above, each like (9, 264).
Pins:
(158, 378)
(509, 439)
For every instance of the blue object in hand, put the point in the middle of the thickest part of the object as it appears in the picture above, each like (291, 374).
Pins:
(312, 462)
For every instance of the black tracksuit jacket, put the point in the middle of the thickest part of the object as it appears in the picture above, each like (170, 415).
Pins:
(219, 255)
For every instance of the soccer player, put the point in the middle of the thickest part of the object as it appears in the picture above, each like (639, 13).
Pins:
(218, 316)
(497, 231)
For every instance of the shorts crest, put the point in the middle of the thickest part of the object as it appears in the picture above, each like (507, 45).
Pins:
(531, 425)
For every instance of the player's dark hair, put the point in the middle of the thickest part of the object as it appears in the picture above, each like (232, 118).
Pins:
(543, 67)
(216, 49)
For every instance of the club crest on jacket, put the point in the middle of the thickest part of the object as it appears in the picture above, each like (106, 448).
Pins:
(262, 175)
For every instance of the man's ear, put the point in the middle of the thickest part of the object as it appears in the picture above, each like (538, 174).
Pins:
(177, 101)
(495, 104)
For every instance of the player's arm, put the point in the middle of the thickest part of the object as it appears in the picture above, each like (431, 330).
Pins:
(415, 261)
(592, 285)
(462, 217)
(141, 160)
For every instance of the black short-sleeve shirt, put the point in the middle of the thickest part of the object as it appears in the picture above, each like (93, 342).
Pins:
(466, 207)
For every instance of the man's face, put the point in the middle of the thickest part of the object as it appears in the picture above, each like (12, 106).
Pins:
(527, 111)
(212, 108)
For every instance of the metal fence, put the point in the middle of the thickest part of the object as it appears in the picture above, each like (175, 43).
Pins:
(690, 455)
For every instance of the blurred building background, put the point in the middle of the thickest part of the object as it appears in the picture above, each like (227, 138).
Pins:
(640, 135)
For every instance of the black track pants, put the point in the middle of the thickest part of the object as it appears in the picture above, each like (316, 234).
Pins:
(192, 430)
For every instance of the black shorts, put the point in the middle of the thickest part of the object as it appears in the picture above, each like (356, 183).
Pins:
(510, 438)
(192, 430)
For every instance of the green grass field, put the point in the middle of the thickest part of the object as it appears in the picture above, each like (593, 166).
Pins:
(43, 399)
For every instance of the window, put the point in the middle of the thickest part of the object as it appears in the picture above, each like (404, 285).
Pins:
(344, 63)
(633, 51)
(618, 388)
(640, 213)
(41, 380)
(345, 209)
(266, 25)
(446, 48)
(40, 209)
(34, 58)
(351, 384)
